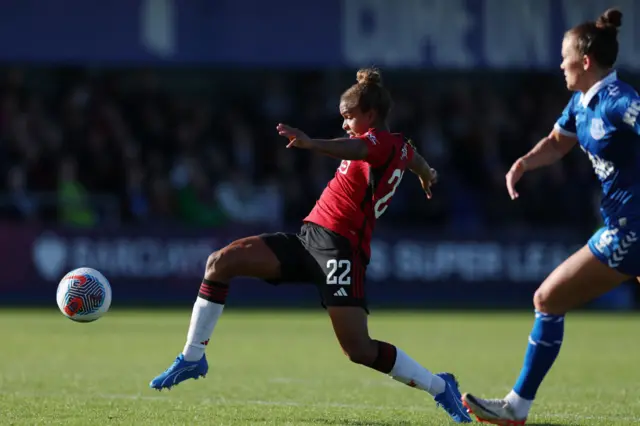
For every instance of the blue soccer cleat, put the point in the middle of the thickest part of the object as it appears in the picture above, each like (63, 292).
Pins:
(180, 371)
(451, 401)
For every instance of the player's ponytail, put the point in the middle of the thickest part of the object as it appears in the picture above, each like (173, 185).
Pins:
(611, 19)
(369, 76)
(599, 39)
(369, 93)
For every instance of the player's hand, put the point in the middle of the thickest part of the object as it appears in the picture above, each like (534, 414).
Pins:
(428, 181)
(513, 176)
(297, 138)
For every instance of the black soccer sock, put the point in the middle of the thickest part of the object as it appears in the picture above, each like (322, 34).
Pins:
(386, 358)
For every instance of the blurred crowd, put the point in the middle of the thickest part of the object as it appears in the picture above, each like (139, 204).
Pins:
(91, 150)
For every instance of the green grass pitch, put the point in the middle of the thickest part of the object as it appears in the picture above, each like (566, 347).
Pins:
(285, 368)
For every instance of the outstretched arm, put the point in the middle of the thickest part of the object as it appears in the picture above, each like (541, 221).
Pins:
(549, 150)
(546, 152)
(425, 173)
(341, 148)
(419, 165)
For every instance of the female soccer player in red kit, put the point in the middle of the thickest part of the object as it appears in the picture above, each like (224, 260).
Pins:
(332, 249)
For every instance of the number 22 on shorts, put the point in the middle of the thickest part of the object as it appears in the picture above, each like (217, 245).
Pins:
(339, 272)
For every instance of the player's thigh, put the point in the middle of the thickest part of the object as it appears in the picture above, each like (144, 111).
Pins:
(293, 258)
(250, 257)
(578, 280)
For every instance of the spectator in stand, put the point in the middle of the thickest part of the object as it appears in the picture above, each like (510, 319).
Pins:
(174, 150)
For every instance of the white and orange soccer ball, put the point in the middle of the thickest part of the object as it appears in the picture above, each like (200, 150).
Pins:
(84, 295)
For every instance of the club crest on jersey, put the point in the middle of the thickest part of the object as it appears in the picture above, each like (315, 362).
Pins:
(405, 153)
(597, 129)
(372, 138)
(344, 166)
(613, 90)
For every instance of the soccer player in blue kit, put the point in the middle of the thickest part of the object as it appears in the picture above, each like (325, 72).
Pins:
(602, 118)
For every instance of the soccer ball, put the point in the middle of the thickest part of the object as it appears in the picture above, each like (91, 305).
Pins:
(84, 295)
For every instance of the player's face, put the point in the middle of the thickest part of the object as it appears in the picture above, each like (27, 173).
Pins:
(573, 63)
(355, 122)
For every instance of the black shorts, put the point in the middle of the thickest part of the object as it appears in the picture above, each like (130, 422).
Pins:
(319, 256)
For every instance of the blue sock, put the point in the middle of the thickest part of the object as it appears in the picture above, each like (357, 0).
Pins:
(544, 345)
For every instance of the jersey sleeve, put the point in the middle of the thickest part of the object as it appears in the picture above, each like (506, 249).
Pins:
(408, 150)
(624, 113)
(377, 150)
(566, 124)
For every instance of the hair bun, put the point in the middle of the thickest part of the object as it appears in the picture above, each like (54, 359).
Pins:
(611, 18)
(369, 76)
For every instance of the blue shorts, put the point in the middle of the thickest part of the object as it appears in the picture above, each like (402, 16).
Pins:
(618, 247)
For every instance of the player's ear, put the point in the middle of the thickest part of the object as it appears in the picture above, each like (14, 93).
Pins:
(586, 62)
(371, 115)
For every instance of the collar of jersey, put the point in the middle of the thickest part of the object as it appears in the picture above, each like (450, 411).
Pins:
(374, 130)
(587, 97)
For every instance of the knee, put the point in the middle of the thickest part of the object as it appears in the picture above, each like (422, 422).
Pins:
(219, 265)
(544, 302)
(540, 298)
(362, 352)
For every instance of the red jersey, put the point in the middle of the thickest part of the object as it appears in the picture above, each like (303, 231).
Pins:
(361, 190)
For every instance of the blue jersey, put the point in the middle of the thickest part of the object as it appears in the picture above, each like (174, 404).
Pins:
(605, 122)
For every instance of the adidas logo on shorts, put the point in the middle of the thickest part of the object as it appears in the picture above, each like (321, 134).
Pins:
(340, 292)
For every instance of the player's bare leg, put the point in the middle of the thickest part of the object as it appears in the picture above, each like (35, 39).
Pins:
(249, 257)
(350, 326)
(578, 280)
(245, 257)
